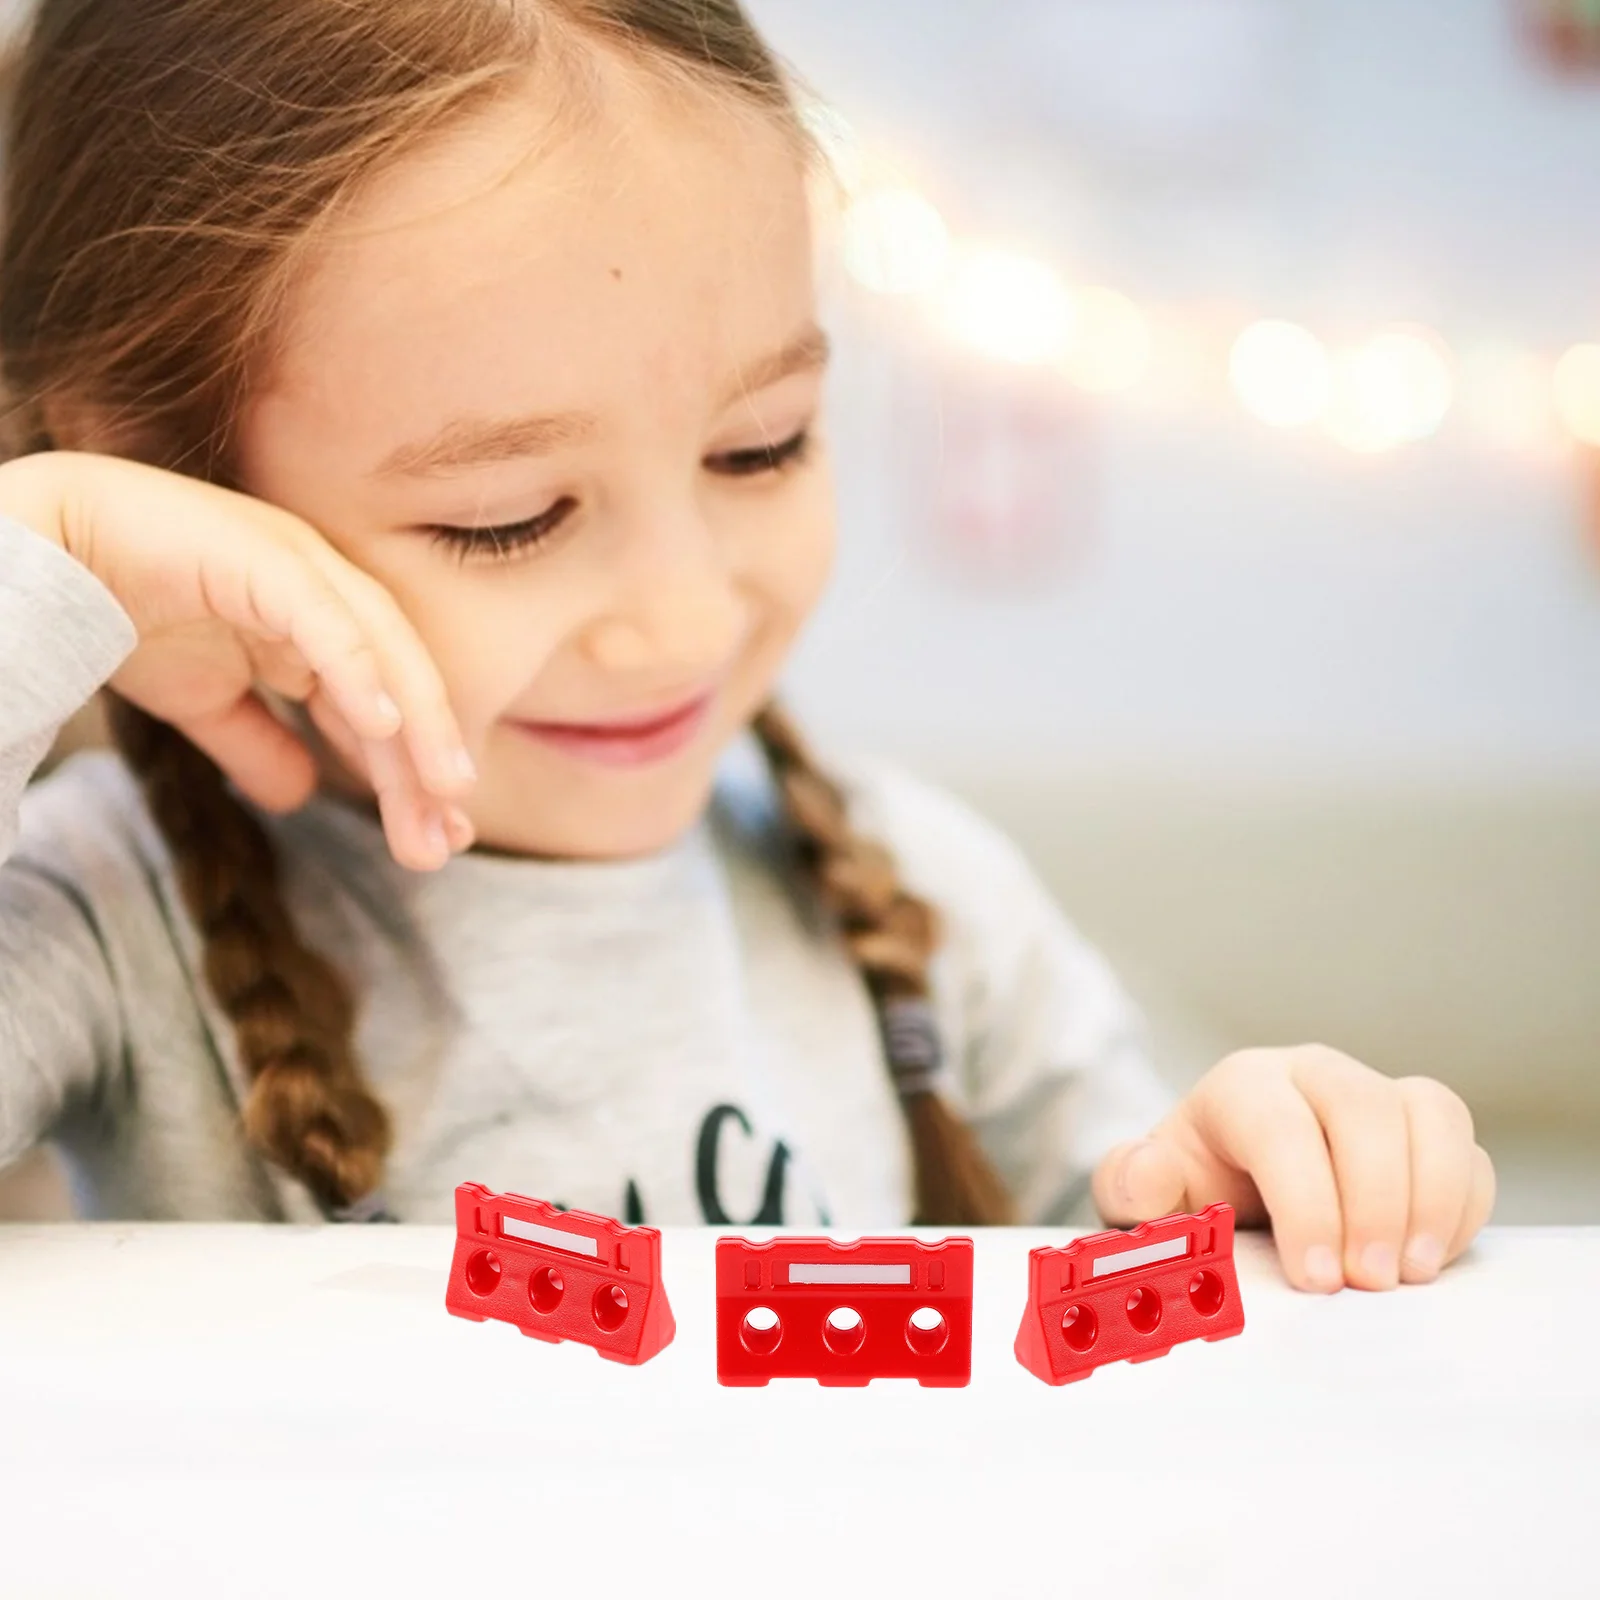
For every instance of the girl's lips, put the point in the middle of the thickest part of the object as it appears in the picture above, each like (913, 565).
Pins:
(625, 744)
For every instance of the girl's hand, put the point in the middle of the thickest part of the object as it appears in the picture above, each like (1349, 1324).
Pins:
(1366, 1180)
(232, 596)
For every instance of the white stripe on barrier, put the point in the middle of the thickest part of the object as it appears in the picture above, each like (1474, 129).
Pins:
(559, 1238)
(1142, 1257)
(830, 1272)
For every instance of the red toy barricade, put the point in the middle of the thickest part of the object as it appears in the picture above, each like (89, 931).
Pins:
(844, 1314)
(559, 1274)
(1130, 1296)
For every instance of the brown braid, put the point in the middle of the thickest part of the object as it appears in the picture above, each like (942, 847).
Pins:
(308, 1109)
(892, 935)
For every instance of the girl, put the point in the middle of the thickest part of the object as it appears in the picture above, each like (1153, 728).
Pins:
(417, 424)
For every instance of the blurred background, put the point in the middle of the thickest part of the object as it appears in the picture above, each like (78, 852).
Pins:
(1216, 412)
(1217, 389)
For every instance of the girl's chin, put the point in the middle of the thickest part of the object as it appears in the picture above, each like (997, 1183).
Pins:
(595, 826)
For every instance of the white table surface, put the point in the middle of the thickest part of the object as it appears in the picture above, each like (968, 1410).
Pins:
(278, 1411)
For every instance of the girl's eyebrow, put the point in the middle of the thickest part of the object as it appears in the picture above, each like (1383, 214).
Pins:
(807, 353)
(467, 442)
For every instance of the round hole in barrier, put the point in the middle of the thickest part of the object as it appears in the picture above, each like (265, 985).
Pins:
(761, 1331)
(610, 1307)
(483, 1272)
(1080, 1328)
(1206, 1293)
(545, 1289)
(1144, 1310)
(927, 1332)
(844, 1331)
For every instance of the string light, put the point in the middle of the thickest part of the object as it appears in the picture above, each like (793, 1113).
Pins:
(1111, 342)
(1008, 306)
(895, 242)
(1281, 374)
(1507, 397)
(1577, 392)
(1392, 389)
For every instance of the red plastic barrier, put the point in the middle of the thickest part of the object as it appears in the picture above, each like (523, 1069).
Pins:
(785, 1309)
(559, 1274)
(1130, 1296)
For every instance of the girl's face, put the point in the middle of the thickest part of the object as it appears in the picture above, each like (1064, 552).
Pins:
(556, 385)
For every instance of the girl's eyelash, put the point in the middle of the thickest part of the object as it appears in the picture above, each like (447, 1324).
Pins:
(509, 538)
(764, 458)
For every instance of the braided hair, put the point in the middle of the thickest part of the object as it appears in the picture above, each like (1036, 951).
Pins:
(891, 934)
(309, 1109)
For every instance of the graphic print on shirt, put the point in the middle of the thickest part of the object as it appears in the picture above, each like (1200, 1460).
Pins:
(710, 1165)
(740, 1164)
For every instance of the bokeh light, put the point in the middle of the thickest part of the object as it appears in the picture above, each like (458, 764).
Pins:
(895, 242)
(1394, 388)
(1577, 392)
(1281, 374)
(1507, 398)
(1008, 306)
(1111, 342)
(1390, 389)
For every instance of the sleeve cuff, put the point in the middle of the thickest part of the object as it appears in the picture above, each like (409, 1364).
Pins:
(62, 633)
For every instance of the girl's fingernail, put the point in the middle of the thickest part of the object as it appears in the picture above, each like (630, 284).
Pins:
(1381, 1265)
(1129, 1162)
(387, 711)
(1424, 1255)
(438, 841)
(461, 829)
(462, 765)
(1322, 1269)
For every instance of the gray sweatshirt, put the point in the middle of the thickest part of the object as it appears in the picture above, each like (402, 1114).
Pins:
(673, 1039)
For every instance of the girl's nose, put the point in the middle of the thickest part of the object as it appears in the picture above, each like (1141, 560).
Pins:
(682, 620)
